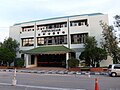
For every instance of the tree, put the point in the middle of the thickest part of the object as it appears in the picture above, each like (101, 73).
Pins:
(11, 44)
(0, 44)
(99, 55)
(90, 43)
(8, 50)
(92, 54)
(19, 62)
(110, 42)
(117, 21)
(6, 56)
(85, 57)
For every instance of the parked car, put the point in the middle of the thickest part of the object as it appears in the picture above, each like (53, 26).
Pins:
(114, 70)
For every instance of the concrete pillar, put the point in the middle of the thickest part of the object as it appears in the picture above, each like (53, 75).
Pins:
(26, 60)
(35, 60)
(67, 57)
(35, 40)
(68, 35)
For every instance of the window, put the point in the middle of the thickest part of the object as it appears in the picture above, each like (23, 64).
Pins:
(63, 32)
(27, 28)
(65, 25)
(52, 26)
(37, 28)
(27, 41)
(78, 38)
(117, 67)
(40, 41)
(79, 22)
(110, 66)
(49, 40)
(54, 40)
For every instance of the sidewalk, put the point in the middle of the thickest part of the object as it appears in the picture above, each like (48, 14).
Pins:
(45, 68)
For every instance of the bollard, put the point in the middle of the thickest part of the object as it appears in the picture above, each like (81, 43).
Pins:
(88, 74)
(14, 81)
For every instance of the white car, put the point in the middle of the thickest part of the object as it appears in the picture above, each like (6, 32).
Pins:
(114, 70)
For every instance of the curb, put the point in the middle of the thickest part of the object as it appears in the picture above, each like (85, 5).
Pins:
(55, 72)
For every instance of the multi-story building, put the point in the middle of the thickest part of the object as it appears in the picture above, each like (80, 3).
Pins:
(51, 42)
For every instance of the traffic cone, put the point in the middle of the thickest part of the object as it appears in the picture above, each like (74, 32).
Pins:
(96, 84)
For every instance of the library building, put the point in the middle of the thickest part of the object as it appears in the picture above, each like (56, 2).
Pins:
(51, 42)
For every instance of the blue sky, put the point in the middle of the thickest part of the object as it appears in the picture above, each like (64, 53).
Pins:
(16, 11)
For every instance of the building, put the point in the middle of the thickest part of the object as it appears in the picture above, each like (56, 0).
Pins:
(51, 42)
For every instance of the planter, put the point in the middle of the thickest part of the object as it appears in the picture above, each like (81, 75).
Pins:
(85, 69)
(3, 67)
(74, 69)
(96, 69)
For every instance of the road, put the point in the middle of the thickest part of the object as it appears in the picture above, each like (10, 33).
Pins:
(32, 81)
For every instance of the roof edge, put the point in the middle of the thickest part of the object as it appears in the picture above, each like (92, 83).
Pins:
(92, 14)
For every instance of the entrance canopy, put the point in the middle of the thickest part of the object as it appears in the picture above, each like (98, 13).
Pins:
(49, 50)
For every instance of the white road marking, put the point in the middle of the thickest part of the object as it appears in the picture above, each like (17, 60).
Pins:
(42, 87)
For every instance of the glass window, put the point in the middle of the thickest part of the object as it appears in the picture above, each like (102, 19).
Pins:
(79, 22)
(110, 66)
(40, 41)
(78, 38)
(54, 40)
(117, 67)
(27, 42)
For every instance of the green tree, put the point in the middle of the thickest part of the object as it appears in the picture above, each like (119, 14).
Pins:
(6, 56)
(90, 43)
(92, 54)
(19, 62)
(110, 42)
(99, 55)
(0, 44)
(11, 44)
(8, 50)
(84, 56)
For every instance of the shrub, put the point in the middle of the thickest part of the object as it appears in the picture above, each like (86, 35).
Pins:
(19, 62)
(73, 62)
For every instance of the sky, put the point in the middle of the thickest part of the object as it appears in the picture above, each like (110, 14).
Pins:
(17, 11)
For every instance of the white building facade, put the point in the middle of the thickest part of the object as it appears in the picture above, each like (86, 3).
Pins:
(68, 31)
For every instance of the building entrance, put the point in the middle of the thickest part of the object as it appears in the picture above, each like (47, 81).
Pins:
(51, 60)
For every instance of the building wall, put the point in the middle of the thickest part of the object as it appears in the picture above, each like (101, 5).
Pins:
(93, 29)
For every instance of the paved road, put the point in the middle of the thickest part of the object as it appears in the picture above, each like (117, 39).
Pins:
(28, 81)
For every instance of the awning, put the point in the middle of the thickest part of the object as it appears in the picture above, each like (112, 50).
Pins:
(49, 50)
